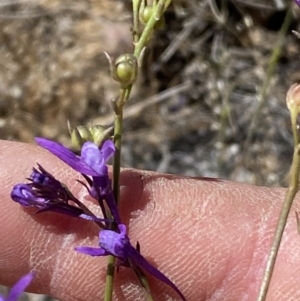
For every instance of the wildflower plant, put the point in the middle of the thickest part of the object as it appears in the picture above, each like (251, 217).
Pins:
(97, 145)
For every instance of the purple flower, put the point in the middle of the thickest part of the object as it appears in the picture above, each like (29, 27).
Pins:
(47, 194)
(297, 2)
(92, 162)
(24, 195)
(118, 245)
(18, 288)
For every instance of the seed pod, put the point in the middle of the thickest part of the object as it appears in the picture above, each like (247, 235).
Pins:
(125, 69)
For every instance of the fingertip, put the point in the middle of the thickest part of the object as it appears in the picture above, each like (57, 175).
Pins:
(210, 237)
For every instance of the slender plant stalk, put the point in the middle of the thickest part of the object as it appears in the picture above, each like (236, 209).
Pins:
(110, 271)
(118, 124)
(147, 32)
(288, 200)
(140, 43)
(136, 28)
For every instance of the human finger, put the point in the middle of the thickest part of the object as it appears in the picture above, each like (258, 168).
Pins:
(210, 237)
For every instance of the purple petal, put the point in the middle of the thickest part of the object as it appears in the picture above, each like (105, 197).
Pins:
(65, 155)
(19, 287)
(41, 178)
(115, 243)
(22, 194)
(92, 157)
(140, 261)
(2, 297)
(38, 177)
(92, 251)
(108, 149)
(25, 196)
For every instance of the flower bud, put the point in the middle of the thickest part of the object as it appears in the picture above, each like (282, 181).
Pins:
(146, 14)
(100, 134)
(293, 98)
(125, 69)
(79, 136)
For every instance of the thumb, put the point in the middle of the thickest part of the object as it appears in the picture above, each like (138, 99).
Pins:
(210, 237)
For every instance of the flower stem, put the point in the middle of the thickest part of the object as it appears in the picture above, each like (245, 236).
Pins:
(147, 32)
(140, 44)
(136, 32)
(110, 269)
(118, 125)
(288, 200)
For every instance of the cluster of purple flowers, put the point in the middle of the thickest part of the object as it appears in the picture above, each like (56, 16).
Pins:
(48, 194)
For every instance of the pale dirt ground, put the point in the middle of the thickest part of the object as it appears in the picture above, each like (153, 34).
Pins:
(212, 61)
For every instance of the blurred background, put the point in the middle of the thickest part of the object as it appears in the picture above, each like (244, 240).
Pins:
(209, 101)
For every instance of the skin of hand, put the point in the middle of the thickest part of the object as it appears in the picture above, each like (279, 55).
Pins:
(211, 237)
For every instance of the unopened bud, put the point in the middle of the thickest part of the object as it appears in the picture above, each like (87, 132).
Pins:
(100, 134)
(81, 134)
(125, 70)
(293, 98)
(146, 14)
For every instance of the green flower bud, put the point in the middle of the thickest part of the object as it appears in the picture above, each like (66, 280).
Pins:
(125, 70)
(146, 14)
(79, 136)
(100, 134)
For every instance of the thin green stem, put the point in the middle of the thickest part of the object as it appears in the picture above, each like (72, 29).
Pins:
(286, 207)
(147, 32)
(118, 124)
(136, 28)
(140, 44)
(110, 271)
